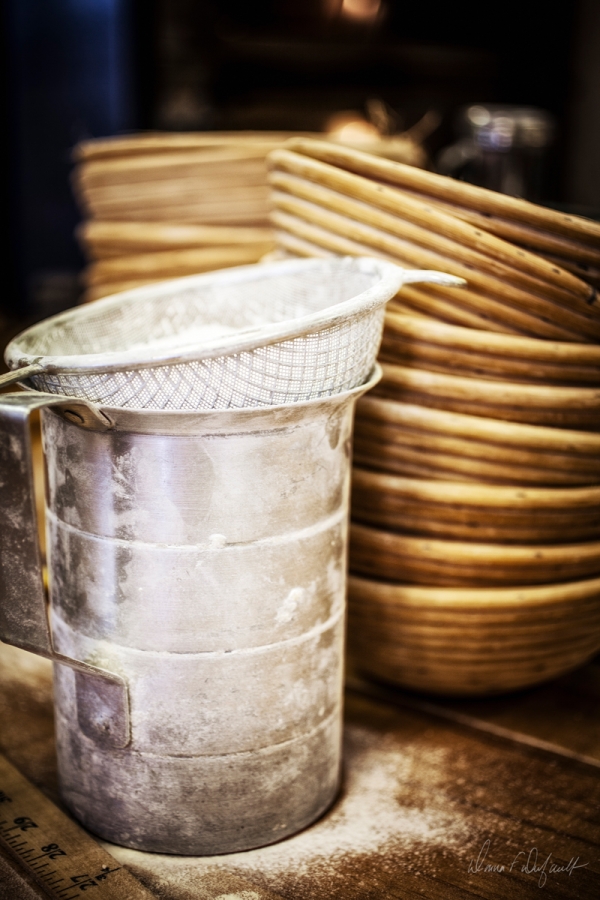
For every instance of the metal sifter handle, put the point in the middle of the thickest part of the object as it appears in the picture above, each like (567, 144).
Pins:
(429, 276)
(20, 374)
(102, 696)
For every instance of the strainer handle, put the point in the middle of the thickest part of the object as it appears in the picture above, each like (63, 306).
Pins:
(431, 276)
(20, 374)
(102, 696)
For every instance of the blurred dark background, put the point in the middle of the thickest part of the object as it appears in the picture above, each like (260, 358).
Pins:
(76, 69)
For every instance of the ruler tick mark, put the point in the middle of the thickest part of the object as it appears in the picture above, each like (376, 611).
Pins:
(31, 832)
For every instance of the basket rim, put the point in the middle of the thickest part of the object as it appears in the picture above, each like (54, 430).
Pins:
(470, 599)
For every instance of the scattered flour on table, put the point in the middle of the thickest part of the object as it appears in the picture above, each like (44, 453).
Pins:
(243, 895)
(369, 819)
(369, 816)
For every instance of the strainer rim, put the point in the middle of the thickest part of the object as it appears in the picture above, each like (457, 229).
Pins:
(390, 281)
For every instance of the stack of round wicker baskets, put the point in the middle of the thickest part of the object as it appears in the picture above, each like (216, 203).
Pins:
(161, 206)
(475, 549)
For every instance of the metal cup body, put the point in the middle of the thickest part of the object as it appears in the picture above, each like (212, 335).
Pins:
(202, 557)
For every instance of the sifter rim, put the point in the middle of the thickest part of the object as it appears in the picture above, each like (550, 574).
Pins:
(392, 277)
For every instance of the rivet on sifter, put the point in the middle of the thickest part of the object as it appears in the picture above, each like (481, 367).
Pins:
(73, 417)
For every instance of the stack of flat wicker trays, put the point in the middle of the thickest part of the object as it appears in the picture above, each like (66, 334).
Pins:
(475, 546)
(163, 205)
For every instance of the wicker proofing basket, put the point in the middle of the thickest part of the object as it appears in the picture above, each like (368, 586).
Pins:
(420, 441)
(469, 641)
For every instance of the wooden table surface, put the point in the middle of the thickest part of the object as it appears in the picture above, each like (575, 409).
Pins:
(444, 799)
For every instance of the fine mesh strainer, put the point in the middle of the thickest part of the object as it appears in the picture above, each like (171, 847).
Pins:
(250, 336)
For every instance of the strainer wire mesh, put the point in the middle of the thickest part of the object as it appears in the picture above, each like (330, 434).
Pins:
(320, 364)
(121, 352)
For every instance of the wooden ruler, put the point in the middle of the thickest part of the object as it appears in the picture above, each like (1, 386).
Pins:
(62, 858)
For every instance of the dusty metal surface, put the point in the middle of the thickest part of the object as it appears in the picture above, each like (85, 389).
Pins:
(205, 570)
(23, 614)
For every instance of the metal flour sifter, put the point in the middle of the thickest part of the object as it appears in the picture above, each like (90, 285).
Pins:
(197, 437)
